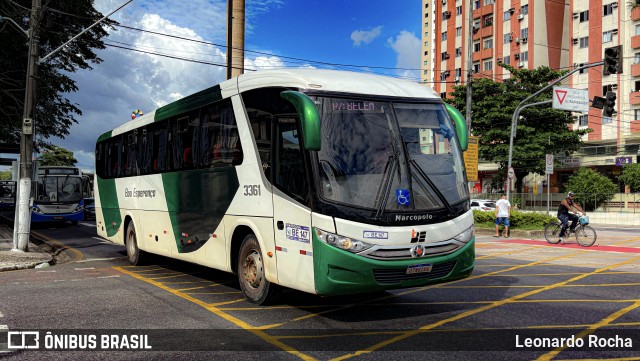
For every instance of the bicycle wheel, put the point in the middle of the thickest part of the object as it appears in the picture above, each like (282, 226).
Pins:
(586, 236)
(552, 232)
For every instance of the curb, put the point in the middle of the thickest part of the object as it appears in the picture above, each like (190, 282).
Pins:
(536, 234)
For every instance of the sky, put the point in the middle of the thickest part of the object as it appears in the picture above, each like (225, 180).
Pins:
(372, 35)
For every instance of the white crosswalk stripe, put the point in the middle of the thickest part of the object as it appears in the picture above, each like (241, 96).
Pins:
(92, 225)
(3, 329)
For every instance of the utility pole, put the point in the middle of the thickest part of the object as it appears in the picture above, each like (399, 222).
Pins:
(22, 221)
(229, 37)
(237, 49)
(469, 66)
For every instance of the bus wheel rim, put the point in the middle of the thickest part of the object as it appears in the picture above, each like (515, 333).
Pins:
(252, 269)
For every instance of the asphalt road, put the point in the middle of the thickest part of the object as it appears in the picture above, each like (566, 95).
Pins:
(521, 291)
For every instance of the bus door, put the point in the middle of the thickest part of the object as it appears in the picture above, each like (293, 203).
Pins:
(291, 216)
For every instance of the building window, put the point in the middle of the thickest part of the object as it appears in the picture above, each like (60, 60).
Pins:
(607, 36)
(637, 88)
(524, 9)
(636, 114)
(607, 9)
(524, 33)
(636, 58)
(506, 38)
(476, 67)
(506, 60)
(584, 16)
(476, 4)
(506, 15)
(476, 24)
(425, 62)
(426, 15)
(582, 71)
(487, 20)
(459, 10)
(488, 43)
(443, 76)
(444, 56)
(487, 65)
(444, 36)
(584, 42)
(489, 2)
(476, 46)
(524, 56)
(607, 120)
(458, 52)
(458, 72)
(637, 29)
(583, 120)
(443, 95)
(606, 88)
(459, 31)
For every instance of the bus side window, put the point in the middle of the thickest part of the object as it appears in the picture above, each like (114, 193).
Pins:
(290, 172)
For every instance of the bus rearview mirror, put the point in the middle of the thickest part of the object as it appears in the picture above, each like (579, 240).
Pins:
(460, 124)
(309, 118)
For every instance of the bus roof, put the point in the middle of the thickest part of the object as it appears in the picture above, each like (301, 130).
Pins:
(317, 79)
(334, 81)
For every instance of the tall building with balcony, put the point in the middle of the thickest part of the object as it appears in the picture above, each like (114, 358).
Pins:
(595, 26)
(561, 34)
(522, 33)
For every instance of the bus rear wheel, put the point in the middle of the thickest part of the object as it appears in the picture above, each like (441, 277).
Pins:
(131, 242)
(251, 274)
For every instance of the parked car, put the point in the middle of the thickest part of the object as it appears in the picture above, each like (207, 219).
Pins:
(89, 208)
(483, 204)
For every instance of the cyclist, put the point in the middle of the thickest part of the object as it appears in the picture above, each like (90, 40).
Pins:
(564, 216)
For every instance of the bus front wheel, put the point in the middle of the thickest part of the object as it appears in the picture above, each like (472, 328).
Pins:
(251, 274)
(131, 243)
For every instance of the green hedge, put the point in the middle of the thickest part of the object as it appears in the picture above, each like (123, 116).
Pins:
(523, 220)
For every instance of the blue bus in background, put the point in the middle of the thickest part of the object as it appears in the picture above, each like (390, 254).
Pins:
(58, 195)
(7, 196)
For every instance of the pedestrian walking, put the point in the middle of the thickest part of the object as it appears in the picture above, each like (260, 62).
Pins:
(503, 212)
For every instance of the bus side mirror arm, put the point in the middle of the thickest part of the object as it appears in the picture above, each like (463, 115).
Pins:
(460, 126)
(309, 118)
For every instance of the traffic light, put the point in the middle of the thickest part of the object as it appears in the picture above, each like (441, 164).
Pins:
(612, 60)
(609, 104)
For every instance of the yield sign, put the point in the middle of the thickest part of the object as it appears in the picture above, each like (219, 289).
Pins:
(569, 99)
(561, 94)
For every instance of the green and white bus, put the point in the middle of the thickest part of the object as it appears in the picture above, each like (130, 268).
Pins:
(322, 181)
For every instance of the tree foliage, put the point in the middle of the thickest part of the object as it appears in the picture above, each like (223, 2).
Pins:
(5, 174)
(631, 176)
(592, 189)
(540, 131)
(57, 156)
(59, 21)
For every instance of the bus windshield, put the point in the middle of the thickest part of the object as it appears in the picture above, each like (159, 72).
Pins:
(389, 156)
(59, 189)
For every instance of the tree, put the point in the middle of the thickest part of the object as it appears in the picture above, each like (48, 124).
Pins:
(54, 114)
(58, 156)
(540, 130)
(631, 176)
(592, 189)
(5, 174)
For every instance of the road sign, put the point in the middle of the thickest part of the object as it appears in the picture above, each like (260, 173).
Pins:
(549, 164)
(511, 173)
(620, 161)
(575, 100)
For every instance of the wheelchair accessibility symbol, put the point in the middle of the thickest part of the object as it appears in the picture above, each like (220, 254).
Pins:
(402, 197)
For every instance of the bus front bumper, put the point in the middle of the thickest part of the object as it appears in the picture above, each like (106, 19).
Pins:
(76, 216)
(339, 272)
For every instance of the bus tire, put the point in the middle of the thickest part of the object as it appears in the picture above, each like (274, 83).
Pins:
(251, 275)
(131, 243)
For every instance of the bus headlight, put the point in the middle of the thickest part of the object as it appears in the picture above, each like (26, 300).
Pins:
(465, 236)
(37, 210)
(79, 208)
(346, 243)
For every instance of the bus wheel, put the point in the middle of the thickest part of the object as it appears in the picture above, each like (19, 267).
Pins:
(251, 275)
(131, 242)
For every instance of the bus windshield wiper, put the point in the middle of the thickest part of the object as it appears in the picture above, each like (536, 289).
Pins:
(426, 178)
(383, 192)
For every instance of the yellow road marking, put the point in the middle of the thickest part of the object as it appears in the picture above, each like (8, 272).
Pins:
(61, 246)
(213, 308)
(606, 321)
(411, 333)
(213, 293)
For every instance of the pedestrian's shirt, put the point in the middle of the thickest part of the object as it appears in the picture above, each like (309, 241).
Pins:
(503, 206)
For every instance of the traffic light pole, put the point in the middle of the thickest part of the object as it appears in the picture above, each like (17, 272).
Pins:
(516, 112)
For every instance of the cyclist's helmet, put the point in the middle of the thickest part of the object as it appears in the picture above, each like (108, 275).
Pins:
(571, 194)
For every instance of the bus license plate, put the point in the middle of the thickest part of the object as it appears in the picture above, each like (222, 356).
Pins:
(419, 268)
(58, 217)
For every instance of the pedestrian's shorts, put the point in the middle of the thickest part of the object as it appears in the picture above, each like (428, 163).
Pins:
(504, 220)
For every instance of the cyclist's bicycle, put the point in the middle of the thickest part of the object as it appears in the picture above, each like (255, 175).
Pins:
(585, 235)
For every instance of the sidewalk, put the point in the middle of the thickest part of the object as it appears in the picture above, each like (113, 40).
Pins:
(15, 260)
